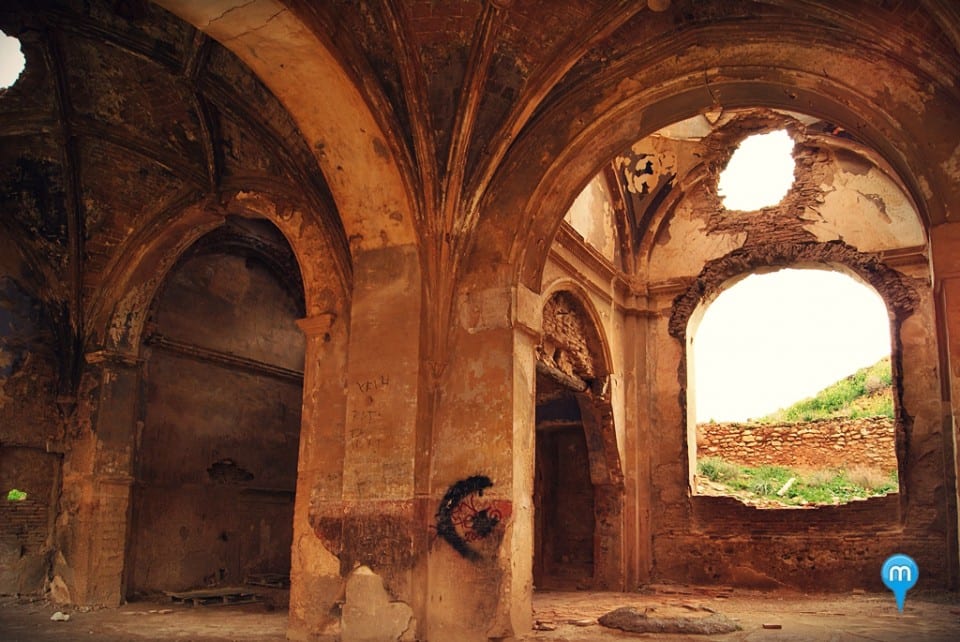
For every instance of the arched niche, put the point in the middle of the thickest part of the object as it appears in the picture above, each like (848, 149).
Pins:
(216, 464)
(578, 478)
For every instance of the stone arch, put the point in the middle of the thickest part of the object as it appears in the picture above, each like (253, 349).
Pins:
(896, 290)
(117, 323)
(118, 326)
(356, 151)
(640, 104)
(584, 156)
(359, 148)
(813, 153)
(216, 465)
(574, 365)
(603, 361)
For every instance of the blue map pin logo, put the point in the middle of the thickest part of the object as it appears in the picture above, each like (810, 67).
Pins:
(899, 574)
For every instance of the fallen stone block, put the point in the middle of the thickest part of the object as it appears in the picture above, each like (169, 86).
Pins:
(630, 619)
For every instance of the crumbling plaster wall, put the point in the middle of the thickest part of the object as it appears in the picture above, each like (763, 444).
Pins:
(470, 411)
(573, 267)
(710, 539)
(31, 432)
(841, 192)
(945, 241)
(128, 136)
(592, 216)
(577, 268)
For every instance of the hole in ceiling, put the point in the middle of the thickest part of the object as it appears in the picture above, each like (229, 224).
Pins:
(760, 172)
(12, 60)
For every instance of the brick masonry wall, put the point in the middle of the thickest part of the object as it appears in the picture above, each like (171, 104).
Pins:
(25, 525)
(826, 443)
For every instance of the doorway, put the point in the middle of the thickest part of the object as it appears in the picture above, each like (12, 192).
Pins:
(563, 493)
(578, 481)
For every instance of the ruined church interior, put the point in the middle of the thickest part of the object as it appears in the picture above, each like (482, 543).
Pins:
(394, 300)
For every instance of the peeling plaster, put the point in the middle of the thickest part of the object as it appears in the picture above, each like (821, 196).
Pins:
(952, 166)
(369, 612)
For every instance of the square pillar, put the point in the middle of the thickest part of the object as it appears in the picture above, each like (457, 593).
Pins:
(355, 487)
(945, 245)
(93, 526)
(480, 558)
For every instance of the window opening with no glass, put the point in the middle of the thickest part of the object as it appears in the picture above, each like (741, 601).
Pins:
(791, 387)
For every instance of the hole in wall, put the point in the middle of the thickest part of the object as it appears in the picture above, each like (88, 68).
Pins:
(759, 174)
(16, 495)
(12, 60)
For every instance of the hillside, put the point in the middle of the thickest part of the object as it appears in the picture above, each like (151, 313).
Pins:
(865, 393)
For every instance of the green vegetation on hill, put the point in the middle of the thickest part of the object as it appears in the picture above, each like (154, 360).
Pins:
(782, 485)
(865, 393)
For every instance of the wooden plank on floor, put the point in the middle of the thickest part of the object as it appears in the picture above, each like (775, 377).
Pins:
(220, 596)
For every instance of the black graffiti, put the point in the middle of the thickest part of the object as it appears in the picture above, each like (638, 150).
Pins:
(483, 521)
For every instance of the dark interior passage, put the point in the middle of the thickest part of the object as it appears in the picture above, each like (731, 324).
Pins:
(217, 461)
(563, 495)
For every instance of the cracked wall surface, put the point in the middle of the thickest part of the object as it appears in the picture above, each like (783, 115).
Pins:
(811, 229)
(419, 158)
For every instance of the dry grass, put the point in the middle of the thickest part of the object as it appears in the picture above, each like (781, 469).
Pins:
(820, 477)
(867, 477)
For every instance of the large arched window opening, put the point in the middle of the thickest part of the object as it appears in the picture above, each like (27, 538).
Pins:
(790, 392)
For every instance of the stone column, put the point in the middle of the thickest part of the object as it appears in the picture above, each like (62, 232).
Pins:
(355, 495)
(93, 524)
(480, 559)
(637, 435)
(315, 582)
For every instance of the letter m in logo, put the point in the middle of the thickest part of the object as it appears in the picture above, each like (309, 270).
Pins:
(899, 574)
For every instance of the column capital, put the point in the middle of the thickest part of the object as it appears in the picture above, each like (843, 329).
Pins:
(528, 312)
(112, 357)
(318, 324)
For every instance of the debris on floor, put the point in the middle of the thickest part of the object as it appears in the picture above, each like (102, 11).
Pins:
(634, 620)
(271, 580)
(214, 597)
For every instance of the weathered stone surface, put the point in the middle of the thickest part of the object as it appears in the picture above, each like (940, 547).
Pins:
(824, 443)
(369, 614)
(417, 160)
(631, 619)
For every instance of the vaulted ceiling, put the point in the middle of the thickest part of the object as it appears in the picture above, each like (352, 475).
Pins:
(495, 113)
(123, 117)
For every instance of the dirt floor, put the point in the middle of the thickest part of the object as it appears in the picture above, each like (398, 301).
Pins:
(564, 617)
(835, 617)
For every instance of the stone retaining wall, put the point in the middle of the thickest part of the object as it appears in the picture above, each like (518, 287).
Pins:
(826, 443)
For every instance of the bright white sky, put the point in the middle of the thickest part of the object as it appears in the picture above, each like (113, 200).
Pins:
(11, 60)
(759, 174)
(773, 339)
